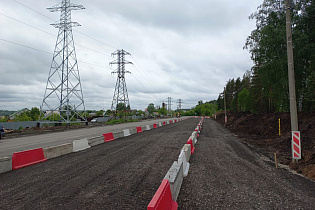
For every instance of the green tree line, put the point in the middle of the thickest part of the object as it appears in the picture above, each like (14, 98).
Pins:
(265, 87)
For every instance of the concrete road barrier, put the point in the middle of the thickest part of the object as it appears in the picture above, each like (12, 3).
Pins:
(79, 145)
(126, 132)
(160, 124)
(5, 164)
(182, 160)
(133, 131)
(187, 150)
(168, 122)
(96, 141)
(56, 151)
(175, 177)
(147, 127)
(194, 137)
(118, 135)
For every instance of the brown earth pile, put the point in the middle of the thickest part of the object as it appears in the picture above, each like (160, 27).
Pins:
(262, 131)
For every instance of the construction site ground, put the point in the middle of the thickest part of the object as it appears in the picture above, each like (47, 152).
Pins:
(225, 173)
(261, 131)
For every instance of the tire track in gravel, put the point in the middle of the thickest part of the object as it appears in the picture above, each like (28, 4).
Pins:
(121, 174)
(226, 174)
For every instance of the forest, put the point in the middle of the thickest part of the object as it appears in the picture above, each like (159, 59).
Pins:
(264, 88)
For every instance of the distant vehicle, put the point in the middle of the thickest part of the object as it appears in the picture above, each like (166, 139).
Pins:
(2, 133)
(100, 119)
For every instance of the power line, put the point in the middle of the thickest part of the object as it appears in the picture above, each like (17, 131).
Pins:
(27, 24)
(33, 10)
(148, 80)
(50, 33)
(26, 46)
(73, 29)
(48, 52)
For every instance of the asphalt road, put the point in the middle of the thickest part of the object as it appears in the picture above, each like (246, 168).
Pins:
(9, 146)
(121, 174)
(226, 174)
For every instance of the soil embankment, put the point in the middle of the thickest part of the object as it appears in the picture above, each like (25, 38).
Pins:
(262, 131)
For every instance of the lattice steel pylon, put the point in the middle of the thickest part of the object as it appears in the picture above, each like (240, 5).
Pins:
(120, 104)
(169, 106)
(63, 98)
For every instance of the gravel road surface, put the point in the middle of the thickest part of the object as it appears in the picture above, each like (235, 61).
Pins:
(121, 174)
(9, 146)
(226, 174)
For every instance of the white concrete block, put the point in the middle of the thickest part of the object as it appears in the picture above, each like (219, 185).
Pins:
(175, 178)
(56, 151)
(5, 164)
(126, 132)
(81, 144)
(182, 159)
(147, 127)
(187, 149)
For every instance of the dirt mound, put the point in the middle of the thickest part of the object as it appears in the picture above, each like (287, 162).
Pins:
(262, 131)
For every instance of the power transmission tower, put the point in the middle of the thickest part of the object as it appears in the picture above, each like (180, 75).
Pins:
(63, 94)
(120, 104)
(179, 104)
(169, 106)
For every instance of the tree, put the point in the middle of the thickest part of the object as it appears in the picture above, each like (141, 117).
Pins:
(244, 100)
(34, 113)
(108, 112)
(162, 111)
(99, 113)
(151, 108)
(23, 117)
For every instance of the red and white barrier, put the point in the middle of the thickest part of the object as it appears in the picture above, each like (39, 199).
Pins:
(139, 129)
(27, 158)
(182, 159)
(162, 199)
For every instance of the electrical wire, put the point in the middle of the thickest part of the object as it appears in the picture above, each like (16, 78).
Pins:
(73, 29)
(47, 52)
(49, 33)
(140, 70)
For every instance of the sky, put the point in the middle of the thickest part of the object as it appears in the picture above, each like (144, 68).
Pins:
(181, 49)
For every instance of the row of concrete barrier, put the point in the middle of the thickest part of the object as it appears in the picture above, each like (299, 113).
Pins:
(166, 195)
(30, 157)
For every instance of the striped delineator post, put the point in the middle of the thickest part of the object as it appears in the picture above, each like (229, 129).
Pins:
(296, 145)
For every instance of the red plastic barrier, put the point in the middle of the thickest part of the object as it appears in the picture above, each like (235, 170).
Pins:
(162, 199)
(164, 123)
(191, 145)
(197, 132)
(108, 137)
(175, 120)
(27, 158)
(154, 125)
(139, 129)
(171, 121)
